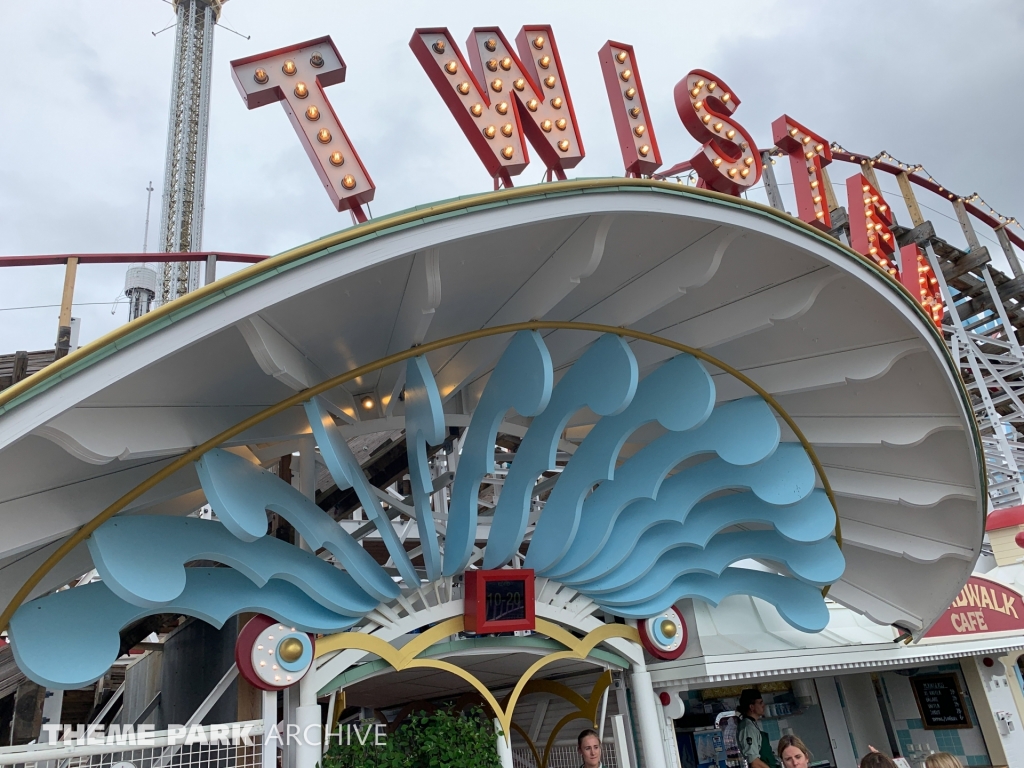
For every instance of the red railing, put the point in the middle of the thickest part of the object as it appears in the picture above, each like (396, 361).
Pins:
(125, 258)
(931, 186)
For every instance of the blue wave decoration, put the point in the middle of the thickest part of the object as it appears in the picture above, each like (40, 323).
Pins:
(142, 560)
(801, 605)
(348, 474)
(679, 395)
(240, 493)
(809, 520)
(70, 638)
(521, 380)
(604, 379)
(785, 477)
(424, 425)
(819, 564)
(680, 518)
(742, 432)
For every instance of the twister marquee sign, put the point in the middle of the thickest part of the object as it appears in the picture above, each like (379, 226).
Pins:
(507, 99)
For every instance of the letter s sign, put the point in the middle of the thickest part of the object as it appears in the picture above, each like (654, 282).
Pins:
(729, 161)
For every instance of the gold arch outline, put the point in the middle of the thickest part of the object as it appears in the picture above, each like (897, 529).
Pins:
(585, 709)
(306, 394)
(386, 224)
(529, 742)
(406, 657)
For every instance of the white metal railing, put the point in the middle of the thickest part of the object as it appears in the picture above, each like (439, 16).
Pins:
(563, 756)
(228, 745)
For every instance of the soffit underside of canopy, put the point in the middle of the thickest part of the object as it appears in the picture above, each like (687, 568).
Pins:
(840, 348)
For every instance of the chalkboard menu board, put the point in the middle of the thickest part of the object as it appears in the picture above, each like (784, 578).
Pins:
(940, 701)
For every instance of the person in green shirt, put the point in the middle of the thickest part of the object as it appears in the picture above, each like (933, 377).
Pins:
(753, 742)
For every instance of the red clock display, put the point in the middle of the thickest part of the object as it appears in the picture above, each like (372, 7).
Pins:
(499, 601)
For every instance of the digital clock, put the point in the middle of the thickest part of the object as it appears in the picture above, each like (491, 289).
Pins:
(499, 601)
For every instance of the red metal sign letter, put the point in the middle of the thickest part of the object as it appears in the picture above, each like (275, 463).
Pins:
(640, 153)
(918, 278)
(296, 76)
(870, 219)
(808, 154)
(524, 96)
(729, 161)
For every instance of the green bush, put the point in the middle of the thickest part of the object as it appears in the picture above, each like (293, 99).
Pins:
(440, 740)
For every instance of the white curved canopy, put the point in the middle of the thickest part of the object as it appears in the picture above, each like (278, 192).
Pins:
(840, 346)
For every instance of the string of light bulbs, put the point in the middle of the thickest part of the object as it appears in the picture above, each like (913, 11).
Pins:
(918, 168)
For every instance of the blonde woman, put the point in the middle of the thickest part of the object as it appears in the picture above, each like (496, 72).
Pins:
(793, 753)
(942, 760)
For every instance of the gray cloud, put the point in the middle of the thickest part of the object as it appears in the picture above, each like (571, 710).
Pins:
(86, 93)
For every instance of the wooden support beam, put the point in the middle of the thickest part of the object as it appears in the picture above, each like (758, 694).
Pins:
(916, 218)
(830, 193)
(1008, 250)
(20, 370)
(67, 298)
(966, 263)
(921, 233)
(1011, 289)
(966, 224)
(868, 170)
(869, 173)
(28, 713)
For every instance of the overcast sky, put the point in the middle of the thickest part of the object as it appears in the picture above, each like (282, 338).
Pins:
(83, 120)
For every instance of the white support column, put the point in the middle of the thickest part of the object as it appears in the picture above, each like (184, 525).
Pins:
(289, 722)
(504, 748)
(303, 744)
(771, 186)
(996, 709)
(621, 741)
(271, 741)
(604, 713)
(835, 722)
(648, 717)
(669, 744)
(622, 703)
(331, 710)
(52, 705)
(862, 713)
(309, 744)
(1013, 678)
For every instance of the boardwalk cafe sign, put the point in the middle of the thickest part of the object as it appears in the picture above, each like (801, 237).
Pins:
(982, 606)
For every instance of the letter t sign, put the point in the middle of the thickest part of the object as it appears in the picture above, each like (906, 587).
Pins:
(296, 76)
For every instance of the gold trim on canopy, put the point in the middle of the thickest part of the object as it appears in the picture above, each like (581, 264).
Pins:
(306, 394)
(407, 658)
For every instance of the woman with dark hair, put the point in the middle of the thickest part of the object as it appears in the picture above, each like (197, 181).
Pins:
(793, 752)
(588, 743)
